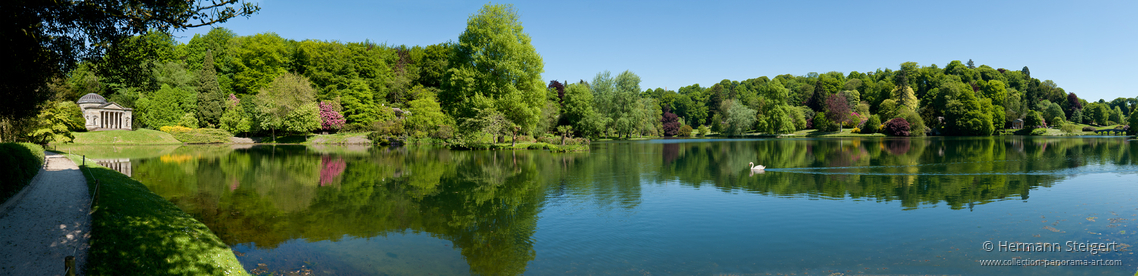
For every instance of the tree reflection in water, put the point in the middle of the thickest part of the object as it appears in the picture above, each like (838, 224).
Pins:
(488, 202)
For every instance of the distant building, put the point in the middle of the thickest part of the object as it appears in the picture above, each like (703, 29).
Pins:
(1017, 124)
(103, 115)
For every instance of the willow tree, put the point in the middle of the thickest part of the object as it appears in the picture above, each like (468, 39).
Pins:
(495, 69)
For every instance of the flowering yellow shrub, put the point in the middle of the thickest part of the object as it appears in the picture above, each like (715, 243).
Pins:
(172, 129)
(855, 130)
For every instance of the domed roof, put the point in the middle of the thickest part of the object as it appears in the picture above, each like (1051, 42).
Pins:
(92, 98)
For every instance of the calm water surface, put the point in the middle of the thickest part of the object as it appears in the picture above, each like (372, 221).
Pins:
(824, 206)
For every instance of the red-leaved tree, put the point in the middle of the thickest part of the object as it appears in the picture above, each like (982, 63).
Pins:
(671, 123)
(897, 127)
(837, 109)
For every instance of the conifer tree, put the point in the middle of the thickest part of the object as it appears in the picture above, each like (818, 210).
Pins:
(211, 101)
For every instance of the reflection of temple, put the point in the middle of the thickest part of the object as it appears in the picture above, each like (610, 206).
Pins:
(119, 165)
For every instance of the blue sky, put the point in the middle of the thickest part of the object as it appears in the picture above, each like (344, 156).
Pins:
(1087, 47)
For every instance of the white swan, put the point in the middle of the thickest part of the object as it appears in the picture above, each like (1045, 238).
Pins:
(756, 168)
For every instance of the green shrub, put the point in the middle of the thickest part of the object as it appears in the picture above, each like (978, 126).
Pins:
(1070, 128)
(1057, 122)
(872, 125)
(1039, 132)
(821, 123)
(685, 131)
(19, 162)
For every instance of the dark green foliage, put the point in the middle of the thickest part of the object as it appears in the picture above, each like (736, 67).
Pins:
(824, 124)
(872, 125)
(1132, 122)
(164, 107)
(1077, 116)
(47, 38)
(55, 123)
(211, 101)
(962, 110)
(19, 162)
(1033, 120)
(685, 131)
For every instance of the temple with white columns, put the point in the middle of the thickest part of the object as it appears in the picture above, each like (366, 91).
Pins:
(103, 115)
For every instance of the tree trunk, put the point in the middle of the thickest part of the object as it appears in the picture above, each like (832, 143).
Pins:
(515, 141)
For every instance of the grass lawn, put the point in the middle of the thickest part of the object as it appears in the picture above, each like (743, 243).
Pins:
(136, 232)
(339, 138)
(124, 137)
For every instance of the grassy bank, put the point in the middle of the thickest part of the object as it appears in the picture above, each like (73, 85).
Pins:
(339, 139)
(124, 137)
(137, 232)
(198, 135)
(19, 163)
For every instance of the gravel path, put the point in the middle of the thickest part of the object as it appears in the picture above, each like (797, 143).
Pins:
(51, 221)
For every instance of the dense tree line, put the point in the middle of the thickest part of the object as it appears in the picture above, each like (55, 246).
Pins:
(488, 87)
(48, 42)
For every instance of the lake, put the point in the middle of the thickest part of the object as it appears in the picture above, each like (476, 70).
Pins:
(673, 207)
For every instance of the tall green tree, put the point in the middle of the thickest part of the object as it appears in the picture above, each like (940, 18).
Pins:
(1132, 121)
(494, 67)
(54, 124)
(963, 113)
(1116, 115)
(259, 59)
(579, 111)
(288, 103)
(211, 101)
(426, 116)
(618, 100)
(164, 107)
(739, 118)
